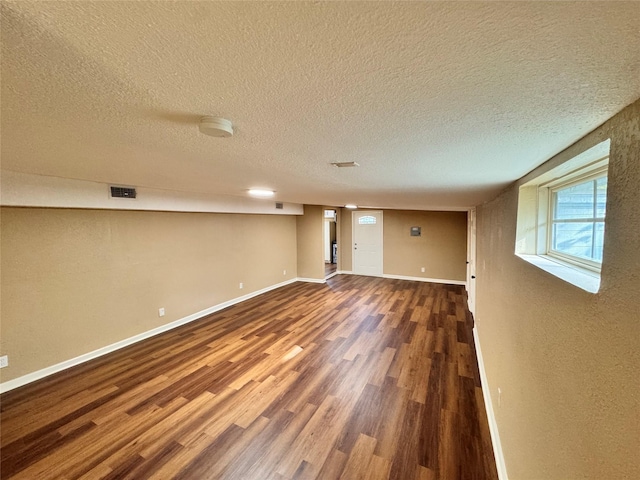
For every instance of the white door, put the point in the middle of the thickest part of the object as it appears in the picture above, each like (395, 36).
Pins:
(471, 259)
(367, 242)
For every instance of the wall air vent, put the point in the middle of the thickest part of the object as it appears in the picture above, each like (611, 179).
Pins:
(279, 205)
(123, 192)
(345, 164)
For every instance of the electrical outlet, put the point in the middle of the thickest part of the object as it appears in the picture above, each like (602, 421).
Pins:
(4, 361)
(241, 285)
(161, 312)
(499, 397)
(422, 269)
(284, 272)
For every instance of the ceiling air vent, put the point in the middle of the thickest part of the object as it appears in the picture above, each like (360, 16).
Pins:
(123, 192)
(279, 205)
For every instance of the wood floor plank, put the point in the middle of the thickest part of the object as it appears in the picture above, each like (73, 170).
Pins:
(359, 378)
(378, 469)
(381, 369)
(314, 441)
(271, 450)
(333, 465)
(361, 456)
(449, 458)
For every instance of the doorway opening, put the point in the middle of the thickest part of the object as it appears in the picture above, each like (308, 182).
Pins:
(471, 260)
(367, 242)
(330, 233)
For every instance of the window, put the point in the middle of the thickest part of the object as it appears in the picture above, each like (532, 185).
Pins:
(561, 218)
(367, 220)
(577, 220)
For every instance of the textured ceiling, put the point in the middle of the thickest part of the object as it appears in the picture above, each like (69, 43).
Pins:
(441, 103)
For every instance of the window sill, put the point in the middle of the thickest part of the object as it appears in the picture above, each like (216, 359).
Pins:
(580, 277)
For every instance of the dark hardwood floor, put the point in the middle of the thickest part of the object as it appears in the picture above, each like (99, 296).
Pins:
(359, 378)
(329, 268)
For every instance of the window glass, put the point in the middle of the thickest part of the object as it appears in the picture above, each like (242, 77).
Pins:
(573, 238)
(574, 202)
(561, 218)
(367, 220)
(601, 205)
(578, 219)
(598, 244)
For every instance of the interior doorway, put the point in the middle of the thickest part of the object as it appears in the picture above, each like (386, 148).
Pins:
(330, 243)
(367, 242)
(471, 260)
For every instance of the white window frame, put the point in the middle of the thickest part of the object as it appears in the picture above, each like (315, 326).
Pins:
(584, 175)
(534, 222)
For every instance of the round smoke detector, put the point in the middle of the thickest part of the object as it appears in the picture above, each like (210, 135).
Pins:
(216, 126)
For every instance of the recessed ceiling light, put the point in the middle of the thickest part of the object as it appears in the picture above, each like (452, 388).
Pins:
(261, 192)
(216, 126)
(345, 164)
(350, 205)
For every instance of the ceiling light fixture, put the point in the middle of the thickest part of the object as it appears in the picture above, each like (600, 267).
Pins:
(261, 192)
(216, 126)
(345, 164)
(351, 206)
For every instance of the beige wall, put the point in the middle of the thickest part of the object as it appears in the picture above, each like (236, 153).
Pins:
(567, 361)
(442, 248)
(345, 240)
(77, 280)
(310, 234)
(29, 190)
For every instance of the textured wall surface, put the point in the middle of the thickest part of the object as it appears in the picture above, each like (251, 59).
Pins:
(441, 249)
(346, 240)
(567, 361)
(74, 281)
(310, 241)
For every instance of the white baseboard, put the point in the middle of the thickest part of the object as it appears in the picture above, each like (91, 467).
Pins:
(424, 279)
(331, 275)
(311, 280)
(493, 425)
(405, 277)
(58, 367)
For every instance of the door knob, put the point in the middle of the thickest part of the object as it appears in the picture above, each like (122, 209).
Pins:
(473, 276)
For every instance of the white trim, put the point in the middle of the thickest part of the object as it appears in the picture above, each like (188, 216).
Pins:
(559, 166)
(591, 176)
(470, 286)
(354, 225)
(331, 275)
(311, 280)
(493, 425)
(534, 222)
(580, 277)
(405, 277)
(58, 367)
(424, 279)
